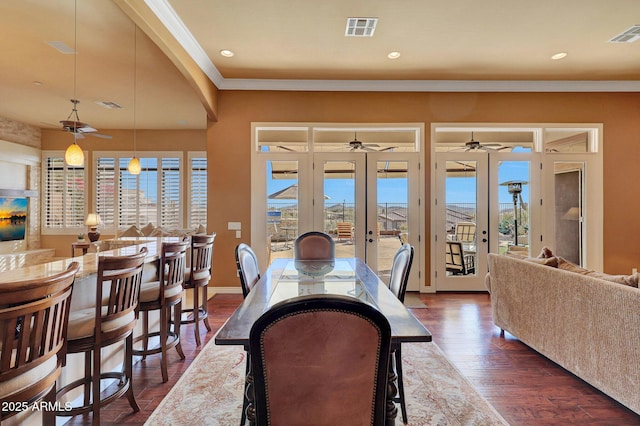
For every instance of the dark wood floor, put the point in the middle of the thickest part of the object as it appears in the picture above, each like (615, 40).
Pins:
(524, 387)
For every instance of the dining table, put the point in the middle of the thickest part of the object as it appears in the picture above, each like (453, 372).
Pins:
(289, 278)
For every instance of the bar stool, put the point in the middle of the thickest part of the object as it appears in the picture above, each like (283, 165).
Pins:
(33, 338)
(163, 295)
(110, 321)
(197, 278)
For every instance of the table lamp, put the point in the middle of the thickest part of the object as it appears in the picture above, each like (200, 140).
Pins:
(93, 220)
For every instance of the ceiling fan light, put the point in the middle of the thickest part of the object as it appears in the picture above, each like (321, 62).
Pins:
(134, 166)
(74, 156)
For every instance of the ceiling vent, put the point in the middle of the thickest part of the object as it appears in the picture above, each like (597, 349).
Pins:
(361, 27)
(109, 104)
(61, 47)
(628, 36)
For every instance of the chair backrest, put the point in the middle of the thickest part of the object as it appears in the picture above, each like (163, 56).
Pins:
(454, 256)
(465, 232)
(248, 268)
(400, 270)
(119, 280)
(201, 259)
(173, 261)
(33, 330)
(320, 360)
(314, 245)
(344, 230)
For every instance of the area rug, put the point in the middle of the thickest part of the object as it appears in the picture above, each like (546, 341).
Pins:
(210, 391)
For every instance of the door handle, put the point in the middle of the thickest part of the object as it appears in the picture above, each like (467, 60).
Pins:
(484, 240)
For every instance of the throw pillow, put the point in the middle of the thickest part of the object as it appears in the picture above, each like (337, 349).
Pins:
(201, 229)
(630, 280)
(551, 261)
(571, 267)
(545, 253)
(131, 231)
(148, 229)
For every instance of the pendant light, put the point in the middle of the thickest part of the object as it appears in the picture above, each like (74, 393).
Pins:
(134, 165)
(74, 156)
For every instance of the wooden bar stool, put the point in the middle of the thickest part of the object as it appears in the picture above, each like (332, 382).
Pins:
(110, 321)
(164, 295)
(33, 336)
(197, 278)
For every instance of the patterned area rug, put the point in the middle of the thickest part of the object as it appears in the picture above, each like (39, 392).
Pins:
(210, 391)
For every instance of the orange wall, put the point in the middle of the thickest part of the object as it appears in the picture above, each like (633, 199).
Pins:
(229, 148)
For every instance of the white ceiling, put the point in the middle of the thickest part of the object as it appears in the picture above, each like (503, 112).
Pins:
(444, 45)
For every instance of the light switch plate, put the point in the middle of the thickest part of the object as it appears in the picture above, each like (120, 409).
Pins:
(234, 226)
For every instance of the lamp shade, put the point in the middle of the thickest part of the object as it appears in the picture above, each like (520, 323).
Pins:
(74, 156)
(134, 166)
(93, 219)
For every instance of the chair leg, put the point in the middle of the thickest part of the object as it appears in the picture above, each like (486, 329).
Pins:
(128, 372)
(87, 378)
(145, 333)
(196, 314)
(177, 317)
(403, 406)
(245, 400)
(205, 308)
(95, 386)
(164, 325)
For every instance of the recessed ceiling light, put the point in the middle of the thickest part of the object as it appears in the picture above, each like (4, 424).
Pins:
(559, 55)
(393, 55)
(227, 53)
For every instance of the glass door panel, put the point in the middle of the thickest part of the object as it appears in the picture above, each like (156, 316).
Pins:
(462, 221)
(568, 218)
(282, 208)
(513, 206)
(338, 204)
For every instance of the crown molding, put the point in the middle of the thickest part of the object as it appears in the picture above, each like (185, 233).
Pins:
(167, 15)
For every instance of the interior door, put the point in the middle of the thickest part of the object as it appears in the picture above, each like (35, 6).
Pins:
(462, 235)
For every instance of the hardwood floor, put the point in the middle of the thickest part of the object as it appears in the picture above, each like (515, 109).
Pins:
(524, 387)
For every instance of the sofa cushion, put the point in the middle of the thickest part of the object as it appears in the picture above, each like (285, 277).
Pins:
(630, 280)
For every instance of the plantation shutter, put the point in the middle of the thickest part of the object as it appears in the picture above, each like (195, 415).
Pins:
(106, 192)
(198, 193)
(170, 193)
(128, 200)
(64, 195)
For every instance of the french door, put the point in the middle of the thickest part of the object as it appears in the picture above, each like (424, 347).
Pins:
(483, 205)
(380, 204)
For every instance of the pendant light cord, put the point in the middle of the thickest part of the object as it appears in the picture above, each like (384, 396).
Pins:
(135, 85)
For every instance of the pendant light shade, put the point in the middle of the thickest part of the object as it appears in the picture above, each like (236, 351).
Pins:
(134, 166)
(74, 156)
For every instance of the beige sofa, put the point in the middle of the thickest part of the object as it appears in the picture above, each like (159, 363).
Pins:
(589, 326)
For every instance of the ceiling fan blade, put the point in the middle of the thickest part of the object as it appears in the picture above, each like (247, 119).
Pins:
(284, 148)
(99, 135)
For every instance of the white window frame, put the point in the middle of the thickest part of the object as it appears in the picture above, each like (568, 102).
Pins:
(64, 230)
(117, 155)
(190, 187)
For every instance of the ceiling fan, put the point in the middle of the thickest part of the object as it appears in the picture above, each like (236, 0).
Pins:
(356, 145)
(474, 145)
(73, 124)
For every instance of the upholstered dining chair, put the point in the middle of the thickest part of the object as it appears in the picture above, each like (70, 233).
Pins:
(197, 277)
(34, 314)
(249, 273)
(247, 266)
(165, 296)
(111, 320)
(400, 270)
(332, 372)
(314, 245)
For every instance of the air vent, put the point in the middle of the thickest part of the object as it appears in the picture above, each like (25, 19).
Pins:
(628, 36)
(109, 104)
(361, 27)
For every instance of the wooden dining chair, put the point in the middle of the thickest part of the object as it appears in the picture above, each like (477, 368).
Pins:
(314, 245)
(320, 360)
(165, 296)
(110, 321)
(249, 273)
(400, 270)
(197, 277)
(34, 316)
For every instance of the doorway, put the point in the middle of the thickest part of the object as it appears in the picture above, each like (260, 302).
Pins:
(360, 184)
(508, 188)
